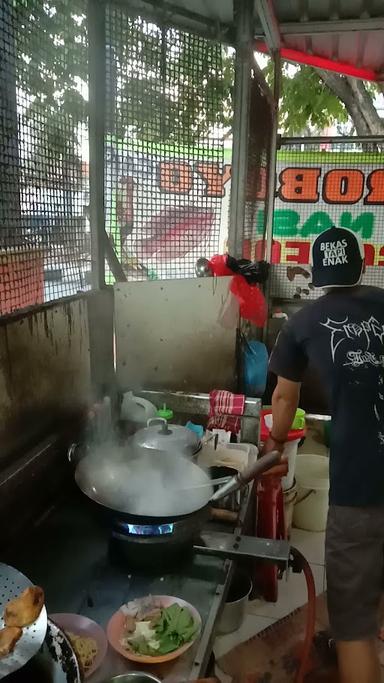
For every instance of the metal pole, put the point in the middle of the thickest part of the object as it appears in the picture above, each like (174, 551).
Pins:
(273, 157)
(96, 33)
(303, 28)
(243, 10)
(270, 24)
(336, 139)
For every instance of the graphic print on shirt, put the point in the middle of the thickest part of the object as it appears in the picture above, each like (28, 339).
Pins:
(360, 345)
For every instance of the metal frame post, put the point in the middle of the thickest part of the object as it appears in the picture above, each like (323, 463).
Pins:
(273, 157)
(96, 33)
(243, 10)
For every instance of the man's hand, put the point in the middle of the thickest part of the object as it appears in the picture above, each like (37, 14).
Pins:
(271, 445)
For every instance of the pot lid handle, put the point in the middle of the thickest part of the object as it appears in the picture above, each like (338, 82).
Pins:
(160, 420)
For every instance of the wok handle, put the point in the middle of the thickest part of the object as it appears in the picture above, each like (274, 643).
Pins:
(224, 515)
(265, 463)
(252, 472)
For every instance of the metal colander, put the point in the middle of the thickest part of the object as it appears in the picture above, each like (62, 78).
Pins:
(12, 583)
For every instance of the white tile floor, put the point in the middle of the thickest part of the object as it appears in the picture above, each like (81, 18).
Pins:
(292, 593)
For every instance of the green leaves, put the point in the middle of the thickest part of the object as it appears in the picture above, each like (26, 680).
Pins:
(307, 104)
(165, 85)
(169, 86)
(175, 627)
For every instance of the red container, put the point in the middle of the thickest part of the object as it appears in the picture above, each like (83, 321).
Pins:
(21, 279)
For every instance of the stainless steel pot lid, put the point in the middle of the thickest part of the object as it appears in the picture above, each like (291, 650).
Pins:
(147, 485)
(162, 436)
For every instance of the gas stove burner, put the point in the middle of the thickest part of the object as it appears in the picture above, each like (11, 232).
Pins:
(149, 548)
(147, 530)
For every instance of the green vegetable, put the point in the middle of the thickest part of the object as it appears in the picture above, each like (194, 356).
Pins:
(174, 628)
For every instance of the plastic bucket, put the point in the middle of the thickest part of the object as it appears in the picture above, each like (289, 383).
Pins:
(312, 479)
(289, 503)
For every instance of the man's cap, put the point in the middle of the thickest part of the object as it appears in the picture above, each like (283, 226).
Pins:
(337, 258)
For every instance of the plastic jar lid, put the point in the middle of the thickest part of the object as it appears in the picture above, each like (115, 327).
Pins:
(165, 413)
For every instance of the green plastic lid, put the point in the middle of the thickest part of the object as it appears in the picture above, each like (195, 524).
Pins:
(165, 413)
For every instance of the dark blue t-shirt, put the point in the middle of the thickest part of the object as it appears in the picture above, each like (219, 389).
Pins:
(342, 336)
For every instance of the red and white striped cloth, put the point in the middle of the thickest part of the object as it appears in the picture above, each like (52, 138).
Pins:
(224, 406)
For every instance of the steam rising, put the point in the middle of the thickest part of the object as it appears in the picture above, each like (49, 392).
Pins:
(146, 483)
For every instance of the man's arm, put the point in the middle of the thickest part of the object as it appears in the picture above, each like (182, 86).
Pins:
(285, 401)
(288, 362)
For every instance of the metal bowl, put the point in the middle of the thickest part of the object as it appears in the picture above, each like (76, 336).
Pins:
(134, 677)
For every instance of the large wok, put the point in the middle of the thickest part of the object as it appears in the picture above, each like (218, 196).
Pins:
(157, 490)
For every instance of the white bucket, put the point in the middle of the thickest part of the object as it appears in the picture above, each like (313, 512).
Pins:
(312, 478)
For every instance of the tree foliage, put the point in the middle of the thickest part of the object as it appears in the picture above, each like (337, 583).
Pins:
(313, 100)
(163, 84)
(306, 103)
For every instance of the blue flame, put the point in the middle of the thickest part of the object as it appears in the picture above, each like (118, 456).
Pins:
(146, 529)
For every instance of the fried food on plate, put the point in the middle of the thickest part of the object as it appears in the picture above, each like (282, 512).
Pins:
(24, 609)
(8, 639)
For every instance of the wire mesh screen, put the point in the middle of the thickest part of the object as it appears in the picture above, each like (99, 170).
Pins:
(259, 141)
(319, 186)
(164, 150)
(44, 245)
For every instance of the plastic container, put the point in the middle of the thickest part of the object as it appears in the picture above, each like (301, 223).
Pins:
(299, 419)
(236, 604)
(136, 409)
(165, 413)
(312, 478)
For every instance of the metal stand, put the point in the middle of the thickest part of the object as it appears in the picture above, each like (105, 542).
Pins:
(234, 547)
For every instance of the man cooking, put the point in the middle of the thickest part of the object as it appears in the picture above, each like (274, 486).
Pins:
(341, 335)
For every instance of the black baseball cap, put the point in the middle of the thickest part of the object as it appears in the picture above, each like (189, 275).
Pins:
(337, 258)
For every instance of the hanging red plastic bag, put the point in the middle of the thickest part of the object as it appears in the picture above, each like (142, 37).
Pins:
(218, 265)
(253, 306)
